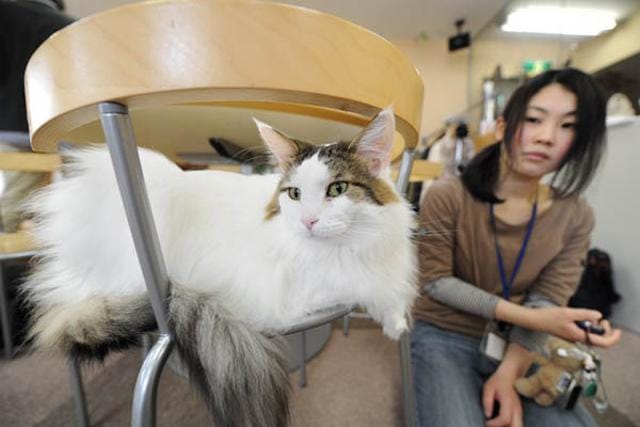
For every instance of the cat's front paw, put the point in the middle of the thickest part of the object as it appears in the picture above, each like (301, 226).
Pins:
(395, 328)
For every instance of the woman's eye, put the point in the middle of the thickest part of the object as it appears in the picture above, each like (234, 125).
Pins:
(569, 125)
(532, 120)
(294, 193)
(337, 188)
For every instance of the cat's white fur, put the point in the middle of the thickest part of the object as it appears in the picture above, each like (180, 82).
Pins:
(215, 239)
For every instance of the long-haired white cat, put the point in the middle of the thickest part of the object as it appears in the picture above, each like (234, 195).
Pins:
(247, 257)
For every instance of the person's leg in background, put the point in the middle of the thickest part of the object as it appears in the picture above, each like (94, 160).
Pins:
(449, 373)
(555, 416)
(448, 376)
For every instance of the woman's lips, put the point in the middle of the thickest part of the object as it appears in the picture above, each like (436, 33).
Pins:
(536, 156)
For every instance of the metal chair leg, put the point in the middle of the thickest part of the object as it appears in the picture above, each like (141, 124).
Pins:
(408, 393)
(145, 394)
(147, 343)
(345, 325)
(5, 319)
(118, 131)
(303, 359)
(79, 397)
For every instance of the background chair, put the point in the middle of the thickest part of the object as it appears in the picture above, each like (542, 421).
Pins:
(19, 245)
(171, 75)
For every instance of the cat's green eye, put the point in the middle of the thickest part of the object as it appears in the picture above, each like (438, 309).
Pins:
(337, 188)
(294, 193)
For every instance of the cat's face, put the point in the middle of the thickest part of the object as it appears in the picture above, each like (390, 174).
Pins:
(334, 191)
(332, 195)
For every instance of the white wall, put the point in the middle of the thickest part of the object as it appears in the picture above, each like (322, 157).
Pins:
(445, 74)
(615, 197)
(621, 43)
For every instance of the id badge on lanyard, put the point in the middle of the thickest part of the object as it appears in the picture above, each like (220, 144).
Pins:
(494, 339)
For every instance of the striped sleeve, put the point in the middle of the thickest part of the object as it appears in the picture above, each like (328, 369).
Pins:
(458, 294)
(532, 340)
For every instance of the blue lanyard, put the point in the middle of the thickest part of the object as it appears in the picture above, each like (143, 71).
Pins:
(506, 286)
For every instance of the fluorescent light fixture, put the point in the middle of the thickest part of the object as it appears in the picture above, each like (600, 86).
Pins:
(559, 20)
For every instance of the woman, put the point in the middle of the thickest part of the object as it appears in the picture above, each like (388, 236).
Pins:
(500, 248)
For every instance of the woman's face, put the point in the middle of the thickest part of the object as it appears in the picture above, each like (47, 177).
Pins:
(545, 136)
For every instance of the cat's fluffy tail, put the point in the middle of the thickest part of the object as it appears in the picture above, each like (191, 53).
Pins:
(90, 329)
(239, 371)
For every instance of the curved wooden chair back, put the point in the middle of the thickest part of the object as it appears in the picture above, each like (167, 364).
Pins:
(190, 70)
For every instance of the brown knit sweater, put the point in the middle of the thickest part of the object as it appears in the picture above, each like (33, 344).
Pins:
(457, 240)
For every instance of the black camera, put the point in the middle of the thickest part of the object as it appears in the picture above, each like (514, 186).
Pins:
(588, 326)
(586, 382)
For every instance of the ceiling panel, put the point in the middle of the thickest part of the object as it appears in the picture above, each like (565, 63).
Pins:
(402, 19)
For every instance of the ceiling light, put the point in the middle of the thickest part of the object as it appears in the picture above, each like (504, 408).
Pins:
(559, 20)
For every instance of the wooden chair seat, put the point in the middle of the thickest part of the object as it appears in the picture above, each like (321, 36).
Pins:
(20, 244)
(29, 162)
(422, 170)
(15, 244)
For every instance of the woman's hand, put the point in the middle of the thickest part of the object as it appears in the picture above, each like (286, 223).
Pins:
(561, 322)
(608, 339)
(558, 321)
(499, 388)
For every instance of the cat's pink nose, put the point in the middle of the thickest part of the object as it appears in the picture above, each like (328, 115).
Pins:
(309, 222)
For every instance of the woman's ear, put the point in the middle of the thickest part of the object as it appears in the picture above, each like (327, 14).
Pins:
(499, 132)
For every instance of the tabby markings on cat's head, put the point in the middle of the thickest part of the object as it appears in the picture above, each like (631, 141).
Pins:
(325, 188)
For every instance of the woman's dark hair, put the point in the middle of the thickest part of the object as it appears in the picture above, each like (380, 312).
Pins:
(578, 167)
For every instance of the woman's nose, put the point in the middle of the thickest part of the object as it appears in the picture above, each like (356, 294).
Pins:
(547, 134)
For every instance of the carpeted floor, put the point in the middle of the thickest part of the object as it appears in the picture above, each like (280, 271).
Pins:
(355, 381)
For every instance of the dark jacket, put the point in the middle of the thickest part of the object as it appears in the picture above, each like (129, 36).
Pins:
(24, 25)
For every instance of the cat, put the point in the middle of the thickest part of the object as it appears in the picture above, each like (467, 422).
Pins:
(247, 257)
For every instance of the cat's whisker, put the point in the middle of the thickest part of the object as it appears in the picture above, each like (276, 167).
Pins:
(421, 233)
(421, 242)
(424, 243)
(435, 222)
(362, 233)
(358, 235)
(252, 155)
(421, 230)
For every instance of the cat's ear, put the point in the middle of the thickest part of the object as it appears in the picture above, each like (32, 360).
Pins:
(373, 144)
(280, 145)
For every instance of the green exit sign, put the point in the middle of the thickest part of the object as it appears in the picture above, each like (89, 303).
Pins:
(532, 67)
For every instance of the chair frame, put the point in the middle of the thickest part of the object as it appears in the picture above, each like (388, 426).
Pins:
(119, 136)
(75, 374)
(17, 161)
(5, 321)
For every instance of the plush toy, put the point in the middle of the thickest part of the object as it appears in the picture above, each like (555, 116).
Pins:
(555, 374)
